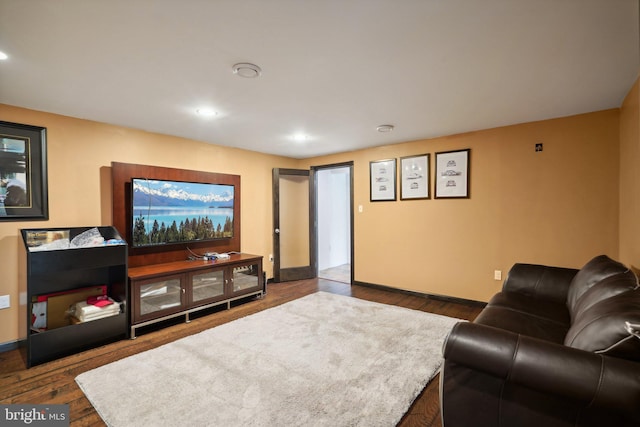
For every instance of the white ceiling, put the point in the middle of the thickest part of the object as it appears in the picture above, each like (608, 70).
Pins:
(332, 69)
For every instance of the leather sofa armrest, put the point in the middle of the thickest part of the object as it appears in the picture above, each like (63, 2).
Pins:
(594, 380)
(540, 281)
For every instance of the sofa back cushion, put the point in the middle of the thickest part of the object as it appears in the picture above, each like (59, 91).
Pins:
(593, 272)
(605, 288)
(540, 281)
(601, 327)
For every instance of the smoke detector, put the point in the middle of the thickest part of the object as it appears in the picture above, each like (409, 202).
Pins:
(246, 70)
(385, 128)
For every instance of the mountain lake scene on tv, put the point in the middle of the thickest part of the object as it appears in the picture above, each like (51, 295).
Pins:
(173, 212)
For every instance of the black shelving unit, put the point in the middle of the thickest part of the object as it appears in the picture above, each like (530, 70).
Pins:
(68, 270)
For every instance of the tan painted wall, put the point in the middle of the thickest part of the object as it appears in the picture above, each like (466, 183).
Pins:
(80, 153)
(557, 207)
(630, 178)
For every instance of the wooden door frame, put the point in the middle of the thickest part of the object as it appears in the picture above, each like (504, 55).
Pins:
(295, 273)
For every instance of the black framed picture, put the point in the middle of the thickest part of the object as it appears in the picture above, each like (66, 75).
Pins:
(23, 172)
(414, 172)
(452, 174)
(382, 175)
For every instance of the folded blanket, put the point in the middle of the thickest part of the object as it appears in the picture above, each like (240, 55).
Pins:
(85, 312)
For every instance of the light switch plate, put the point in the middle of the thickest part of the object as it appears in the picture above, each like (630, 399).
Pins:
(5, 301)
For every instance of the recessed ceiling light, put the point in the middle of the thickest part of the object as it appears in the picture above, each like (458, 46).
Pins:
(299, 137)
(249, 71)
(206, 112)
(385, 128)
(3, 56)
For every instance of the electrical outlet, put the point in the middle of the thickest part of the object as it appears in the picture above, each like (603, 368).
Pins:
(5, 301)
(497, 275)
(271, 257)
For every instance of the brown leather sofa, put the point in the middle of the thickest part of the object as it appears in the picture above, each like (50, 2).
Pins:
(551, 349)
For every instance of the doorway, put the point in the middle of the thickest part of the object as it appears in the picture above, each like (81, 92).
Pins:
(334, 216)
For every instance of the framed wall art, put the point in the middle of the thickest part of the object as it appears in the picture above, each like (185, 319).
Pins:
(452, 174)
(23, 172)
(383, 180)
(414, 177)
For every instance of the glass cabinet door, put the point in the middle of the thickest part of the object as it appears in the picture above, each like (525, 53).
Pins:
(245, 277)
(207, 286)
(163, 295)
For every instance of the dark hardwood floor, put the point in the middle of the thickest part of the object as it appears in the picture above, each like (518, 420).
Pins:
(54, 382)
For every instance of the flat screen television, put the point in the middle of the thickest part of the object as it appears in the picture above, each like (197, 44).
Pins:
(168, 212)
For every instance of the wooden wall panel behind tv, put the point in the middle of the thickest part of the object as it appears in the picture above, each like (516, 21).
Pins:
(121, 176)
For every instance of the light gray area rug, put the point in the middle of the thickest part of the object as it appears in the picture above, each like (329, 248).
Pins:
(321, 360)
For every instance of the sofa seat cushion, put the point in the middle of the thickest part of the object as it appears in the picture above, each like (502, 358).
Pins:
(544, 309)
(591, 273)
(521, 322)
(602, 329)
